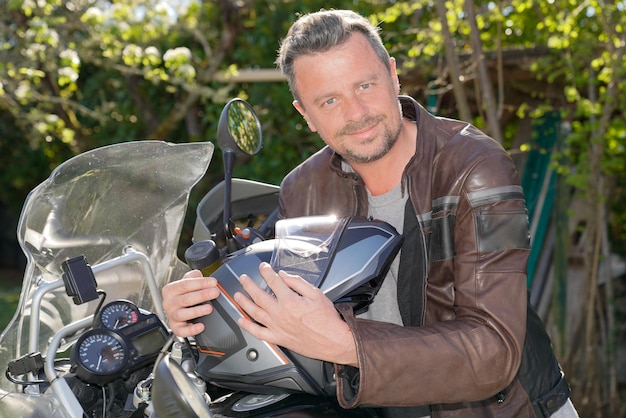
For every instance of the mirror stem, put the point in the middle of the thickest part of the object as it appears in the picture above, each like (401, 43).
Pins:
(229, 159)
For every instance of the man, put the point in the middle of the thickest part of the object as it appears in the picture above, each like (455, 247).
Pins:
(450, 329)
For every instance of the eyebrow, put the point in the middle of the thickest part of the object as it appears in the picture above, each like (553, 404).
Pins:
(371, 78)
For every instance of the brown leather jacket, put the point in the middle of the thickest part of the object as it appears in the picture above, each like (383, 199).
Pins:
(469, 347)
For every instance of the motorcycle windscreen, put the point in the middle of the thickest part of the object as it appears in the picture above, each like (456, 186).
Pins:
(96, 204)
(305, 246)
(341, 256)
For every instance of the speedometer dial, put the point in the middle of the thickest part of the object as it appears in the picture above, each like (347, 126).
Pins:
(101, 352)
(119, 314)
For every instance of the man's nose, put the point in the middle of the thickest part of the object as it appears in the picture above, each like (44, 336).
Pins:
(356, 108)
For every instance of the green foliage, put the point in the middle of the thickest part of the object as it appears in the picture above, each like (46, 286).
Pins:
(79, 74)
(576, 46)
(9, 297)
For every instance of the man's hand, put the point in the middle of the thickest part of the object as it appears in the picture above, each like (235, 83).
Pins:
(300, 317)
(183, 300)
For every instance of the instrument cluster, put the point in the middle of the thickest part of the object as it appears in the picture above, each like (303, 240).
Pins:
(123, 339)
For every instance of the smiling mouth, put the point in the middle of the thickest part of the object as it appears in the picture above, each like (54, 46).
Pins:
(361, 127)
(364, 130)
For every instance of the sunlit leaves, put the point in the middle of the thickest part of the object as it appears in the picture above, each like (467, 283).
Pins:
(179, 62)
(581, 40)
(93, 16)
(572, 94)
(132, 55)
(110, 69)
(396, 11)
(30, 7)
(68, 72)
(61, 42)
(40, 33)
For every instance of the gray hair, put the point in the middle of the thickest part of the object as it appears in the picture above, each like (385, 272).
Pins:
(319, 32)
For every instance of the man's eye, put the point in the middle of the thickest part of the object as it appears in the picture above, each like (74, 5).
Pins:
(365, 86)
(329, 101)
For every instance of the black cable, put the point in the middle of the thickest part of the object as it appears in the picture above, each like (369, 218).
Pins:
(12, 379)
(191, 353)
(104, 296)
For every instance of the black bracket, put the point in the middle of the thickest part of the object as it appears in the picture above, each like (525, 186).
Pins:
(80, 282)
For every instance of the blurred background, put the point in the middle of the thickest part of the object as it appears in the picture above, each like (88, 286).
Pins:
(547, 79)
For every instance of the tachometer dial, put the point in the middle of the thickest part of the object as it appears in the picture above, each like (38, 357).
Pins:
(119, 314)
(101, 352)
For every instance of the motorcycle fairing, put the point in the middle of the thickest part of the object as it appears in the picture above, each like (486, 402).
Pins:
(347, 258)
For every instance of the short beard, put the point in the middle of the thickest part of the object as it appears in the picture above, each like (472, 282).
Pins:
(389, 140)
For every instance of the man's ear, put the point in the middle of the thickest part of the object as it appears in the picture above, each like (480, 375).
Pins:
(394, 74)
(300, 110)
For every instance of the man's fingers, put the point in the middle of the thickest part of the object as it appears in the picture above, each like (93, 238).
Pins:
(259, 331)
(191, 313)
(185, 300)
(192, 273)
(261, 296)
(191, 299)
(191, 282)
(298, 284)
(187, 329)
(261, 300)
(273, 280)
(189, 291)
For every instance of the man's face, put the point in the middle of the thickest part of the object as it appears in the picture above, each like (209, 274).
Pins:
(350, 99)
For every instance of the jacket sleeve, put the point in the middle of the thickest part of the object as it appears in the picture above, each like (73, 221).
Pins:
(470, 345)
(315, 187)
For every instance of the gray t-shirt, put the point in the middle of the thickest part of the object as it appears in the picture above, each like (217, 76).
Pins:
(388, 207)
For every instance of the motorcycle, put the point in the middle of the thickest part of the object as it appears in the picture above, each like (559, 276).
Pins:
(89, 337)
